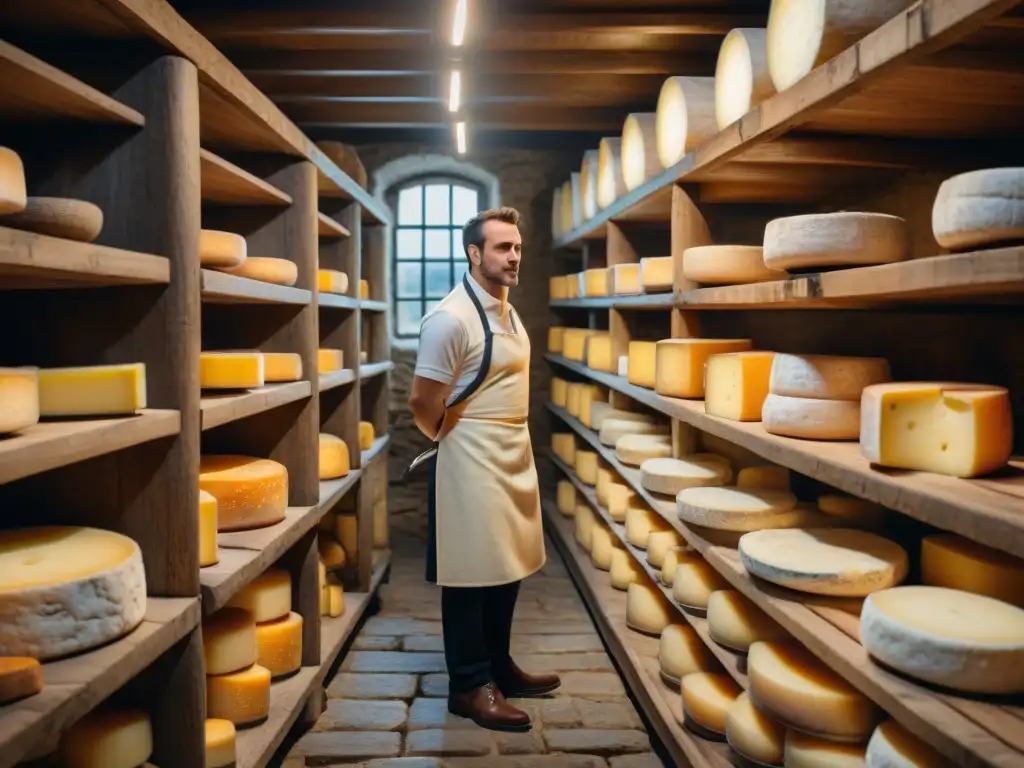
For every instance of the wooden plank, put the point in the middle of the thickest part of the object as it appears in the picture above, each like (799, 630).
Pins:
(337, 379)
(338, 301)
(227, 184)
(328, 227)
(370, 305)
(333, 491)
(218, 409)
(74, 686)
(369, 370)
(650, 301)
(222, 288)
(378, 450)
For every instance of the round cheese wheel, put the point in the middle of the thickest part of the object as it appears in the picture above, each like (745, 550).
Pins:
(673, 555)
(588, 184)
(572, 404)
(208, 552)
(640, 523)
(240, 697)
(20, 677)
(602, 543)
(366, 435)
(952, 561)
(220, 743)
(279, 645)
(567, 498)
(803, 751)
(681, 652)
(331, 281)
(768, 477)
(685, 116)
(334, 457)
(647, 610)
(980, 209)
(892, 746)
(610, 186)
(331, 552)
(826, 377)
(585, 522)
(811, 419)
(670, 476)
(639, 149)
(789, 684)
(281, 366)
(946, 637)
(250, 492)
(620, 499)
(58, 217)
(605, 478)
(852, 512)
(107, 738)
(346, 531)
(625, 570)
(221, 250)
(268, 597)
(586, 466)
(735, 622)
(330, 360)
(613, 430)
(658, 545)
(736, 509)
(13, 196)
(742, 80)
(19, 398)
(277, 271)
(818, 240)
(824, 561)
(753, 734)
(695, 581)
(64, 590)
(601, 412)
(229, 640)
(727, 264)
(634, 450)
(707, 697)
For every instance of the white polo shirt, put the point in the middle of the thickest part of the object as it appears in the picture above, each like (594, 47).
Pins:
(451, 345)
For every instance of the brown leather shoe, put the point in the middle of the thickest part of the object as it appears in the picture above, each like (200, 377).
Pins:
(486, 707)
(517, 684)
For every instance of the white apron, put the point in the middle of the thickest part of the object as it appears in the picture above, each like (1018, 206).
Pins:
(484, 505)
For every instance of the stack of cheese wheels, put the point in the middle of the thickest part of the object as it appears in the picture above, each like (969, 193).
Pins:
(818, 397)
(281, 366)
(954, 562)
(268, 599)
(221, 250)
(625, 570)
(237, 687)
(634, 449)
(892, 745)
(736, 623)
(231, 370)
(604, 411)
(563, 445)
(694, 582)
(610, 186)
(556, 337)
(65, 590)
(766, 476)
(331, 281)
(97, 390)
(559, 391)
(685, 117)
(946, 637)
(267, 270)
(602, 543)
(657, 274)
(647, 610)
(107, 738)
(620, 498)
(334, 457)
(673, 557)
(614, 429)
(567, 497)
(752, 734)
(588, 184)
(641, 522)
(208, 552)
(980, 209)
(584, 529)
(13, 192)
(851, 512)
(625, 279)
(790, 685)
(366, 435)
(964, 430)
(19, 399)
(707, 697)
(658, 545)
(740, 510)
(846, 239)
(639, 149)
(803, 751)
(220, 744)
(670, 476)
(586, 467)
(332, 554)
(742, 80)
(839, 562)
(727, 265)
(679, 364)
(250, 492)
(736, 384)
(330, 360)
(681, 652)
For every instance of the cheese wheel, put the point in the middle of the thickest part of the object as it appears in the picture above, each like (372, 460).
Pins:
(641, 522)
(334, 459)
(634, 449)
(331, 552)
(250, 492)
(803, 751)
(100, 390)
(229, 640)
(789, 684)
(13, 195)
(625, 570)
(556, 335)
(824, 561)
(685, 117)
(892, 746)
(620, 499)
(364, 289)
(657, 274)
(221, 250)
(695, 581)
(826, 377)
(964, 430)
(331, 281)
(707, 697)
(673, 556)
(230, 370)
(595, 282)
(952, 561)
(107, 738)
(680, 363)
(220, 743)
(563, 444)
(599, 353)
(556, 286)
(681, 652)
(742, 80)
(242, 698)
(613, 430)
(335, 600)
(64, 590)
(735, 622)
(208, 554)
(810, 418)
(843, 239)
(20, 677)
(954, 639)
(769, 477)
(268, 597)
(281, 366)
(754, 735)
(566, 498)
(19, 398)
(727, 265)
(58, 217)
(330, 360)
(642, 361)
(639, 149)
(736, 384)
(647, 610)
(277, 271)
(670, 476)
(279, 645)
(559, 392)
(585, 522)
(605, 477)
(588, 184)
(980, 209)
(658, 545)
(366, 435)
(625, 279)
(738, 509)
(586, 467)
(610, 186)
(602, 543)
(852, 512)
(601, 412)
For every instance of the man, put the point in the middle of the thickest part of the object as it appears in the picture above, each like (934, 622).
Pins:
(471, 395)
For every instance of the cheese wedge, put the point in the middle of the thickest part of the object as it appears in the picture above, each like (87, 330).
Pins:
(656, 274)
(19, 398)
(670, 476)
(229, 640)
(736, 509)
(954, 562)
(707, 697)
(231, 370)
(647, 610)
(642, 365)
(727, 265)
(250, 492)
(768, 477)
(277, 271)
(736, 384)
(980, 209)
(20, 677)
(742, 80)
(331, 281)
(892, 746)
(753, 734)
(279, 645)
(811, 419)
(208, 554)
(803, 751)
(680, 363)
(102, 390)
(826, 377)
(268, 597)
(735, 622)
(243, 698)
(330, 360)
(625, 279)
(220, 743)
(334, 457)
(848, 239)
(625, 570)
(13, 194)
(221, 250)
(107, 738)
(281, 366)
(695, 580)
(634, 449)
(681, 652)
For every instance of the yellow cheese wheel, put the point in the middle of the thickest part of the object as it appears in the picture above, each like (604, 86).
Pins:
(735, 622)
(681, 652)
(20, 677)
(229, 640)
(954, 562)
(736, 384)
(335, 600)
(673, 556)
(567, 498)
(13, 194)
(563, 444)
(241, 697)
(107, 738)
(334, 458)
(277, 271)
(230, 370)
(599, 353)
(707, 697)
(557, 288)
(658, 545)
(331, 552)
(595, 282)
(208, 554)
(281, 366)
(279, 645)
(625, 570)
(753, 734)
(220, 743)
(250, 492)
(727, 265)
(769, 477)
(892, 745)
(221, 250)
(625, 279)
(19, 398)
(574, 342)
(679, 366)
(605, 477)
(602, 543)
(695, 581)
(620, 499)
(647, 610)
(642, 361)
(635, 449)
(99, 390)
(586, 467)
(268, 597)
(366, 436)
(330, 360)
(331, 281)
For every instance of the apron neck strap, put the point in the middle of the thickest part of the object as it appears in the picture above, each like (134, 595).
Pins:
(485, 362)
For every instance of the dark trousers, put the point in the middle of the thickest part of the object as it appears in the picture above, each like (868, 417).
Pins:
(477, 624)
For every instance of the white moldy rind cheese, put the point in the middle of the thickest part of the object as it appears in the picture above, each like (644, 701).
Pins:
(647, 610)
(634, 450)
(735, 622)
(613, 430)
(952, 561)
(681, 652)
(707, 697)
(685, 116)
(250, 492)
(964, 430)
(980, 209)
(892, 746)
(695, 581)
(824, 561)
(826, 377)
(107, 738)
(19, 399)
(267, 597)
(949, 638)
(600, 412)
(834, 240)
(221, 250)
(803, 751)
(736, 509)
(742, 80)
(788, 683)
(65, 590)
(810, 418)
(13, 195)
(670, 476)
(727, 264)
(753, 734)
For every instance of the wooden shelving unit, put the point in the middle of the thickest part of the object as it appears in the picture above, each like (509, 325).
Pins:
(166, 136)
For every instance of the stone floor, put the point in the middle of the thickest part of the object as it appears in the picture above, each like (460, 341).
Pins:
(386, 707)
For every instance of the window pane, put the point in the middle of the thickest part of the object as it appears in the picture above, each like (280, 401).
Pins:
(409, 277)
(438, 244)
(437, 204)
(408, 317)
(410, 244)
(458, 252)
(460, 269)
(439, 279)
(410, 206)
(465, 204)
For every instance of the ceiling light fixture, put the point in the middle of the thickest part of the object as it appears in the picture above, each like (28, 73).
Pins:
(455, 92)
(460, 137)
(459, 23)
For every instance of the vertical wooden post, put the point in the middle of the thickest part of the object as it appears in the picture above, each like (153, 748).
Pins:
(302, 562)
(177, 704)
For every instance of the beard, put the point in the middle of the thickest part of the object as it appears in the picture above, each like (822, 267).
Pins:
(502, 277)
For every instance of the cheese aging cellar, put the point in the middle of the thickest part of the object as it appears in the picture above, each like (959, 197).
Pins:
(512, 383)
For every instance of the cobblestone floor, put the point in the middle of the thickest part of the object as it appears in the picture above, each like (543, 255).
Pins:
(386, 707)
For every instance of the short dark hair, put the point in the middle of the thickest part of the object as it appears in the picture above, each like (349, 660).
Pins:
(473, 231)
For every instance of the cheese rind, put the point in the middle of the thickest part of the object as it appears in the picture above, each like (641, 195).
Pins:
(230, 370)
(602, 543)
(277, 271)
(641, 522)
(584, 528)
(229, 640)
(826, 377)
(620, 499)
(658, 545)
(279, 645)
(605, 477)
(736, 384)
(964, 430)
(673, 556)
(556, 337)
(586, 467)
(742, 80)
(556, 285)
(835, 239)
(685, 116)
(735, 509)
(811, 419)
(727, 265)
(64, 590)
(670, 476)
(599, 353)
(803, 751)
(20, 677)
(346, 531)
(946, 637)
(330, 360)
(680, 363)
(13, 193)
(250, 492)
(268, 597)
(366, 435)
(610, 186)
(221, 250)
(735, 622)
(101, 390)
(574, 343)
(107, 738)
(639, 159)
(980, 209)
(208, 554)
(19, 398)
(681, 652)
(647, 610)
(625, 279)
(954, 562)
(241, 697)
(281, 366)
(656, 274)
(220, 743)
(334, 457)
(753, 734)
(707, 697)
(892, 746)
(635, 449)
(331, 281)
(613, 430)
(642, 367)
(566, 498)
(695, 581)
(625, 570)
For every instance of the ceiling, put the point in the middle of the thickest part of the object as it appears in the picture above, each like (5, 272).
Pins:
(380, 69)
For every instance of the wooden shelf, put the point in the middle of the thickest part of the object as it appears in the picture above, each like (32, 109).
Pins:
(371, 305)
(969, 732)
(337, 379)
(376, 451)
(333, 491)
(52, 444)
(369, 370)
(337, 301)
(985, 509)
(222, 288)
(225, 183)
(75, 685)
(645, 301)
(31, 261)
(336, 631)
(328, 227)
(219, 409)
